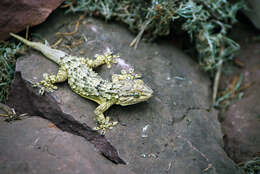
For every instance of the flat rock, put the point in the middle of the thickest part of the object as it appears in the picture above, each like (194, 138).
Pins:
(16, 15)
(174, 132)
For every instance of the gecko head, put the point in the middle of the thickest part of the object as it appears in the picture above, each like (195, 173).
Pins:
(134, 91)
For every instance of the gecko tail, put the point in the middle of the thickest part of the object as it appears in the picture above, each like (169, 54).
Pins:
(27, 42)
(50, 53)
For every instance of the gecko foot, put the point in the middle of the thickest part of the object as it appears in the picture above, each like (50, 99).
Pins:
(47, 83)
(105, 125)
(43, 88)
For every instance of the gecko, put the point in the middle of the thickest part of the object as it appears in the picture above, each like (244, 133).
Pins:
(125, 89)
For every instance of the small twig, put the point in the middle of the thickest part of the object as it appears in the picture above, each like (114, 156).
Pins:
(6, 109)
(70, 33)
(249, 84)
(216, 81)
(67, 46)
(209, 167)
(57, 43)
(75, 30)
(235, 80)
(10, 113)
(27, 32)
(239, 63)
(135, 42)
(67, 5)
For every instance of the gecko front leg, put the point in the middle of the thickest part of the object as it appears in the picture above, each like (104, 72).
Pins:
(125, 75)
(50, 80)
(104, 122)
(107, 58)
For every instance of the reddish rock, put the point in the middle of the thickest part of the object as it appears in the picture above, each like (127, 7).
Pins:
(15, 15)
(242, 120)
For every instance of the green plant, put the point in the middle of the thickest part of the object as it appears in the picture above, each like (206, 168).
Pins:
(8, 51)
(206, 21)
(251, 166)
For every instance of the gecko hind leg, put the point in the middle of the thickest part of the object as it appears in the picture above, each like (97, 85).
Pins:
(50, 80)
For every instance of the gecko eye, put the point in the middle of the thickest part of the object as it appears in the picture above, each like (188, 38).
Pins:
(139, 93)
(136, 95)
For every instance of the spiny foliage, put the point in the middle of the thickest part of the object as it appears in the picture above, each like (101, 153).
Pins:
(8, 51)
(206, 21)
(252, 166)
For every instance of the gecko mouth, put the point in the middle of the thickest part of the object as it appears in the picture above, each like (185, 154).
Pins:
(146, 94)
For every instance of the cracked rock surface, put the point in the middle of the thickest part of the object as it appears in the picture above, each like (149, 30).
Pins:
(174, 132)
(35, 145)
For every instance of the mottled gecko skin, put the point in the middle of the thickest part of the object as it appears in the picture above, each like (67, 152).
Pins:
(125, 88)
